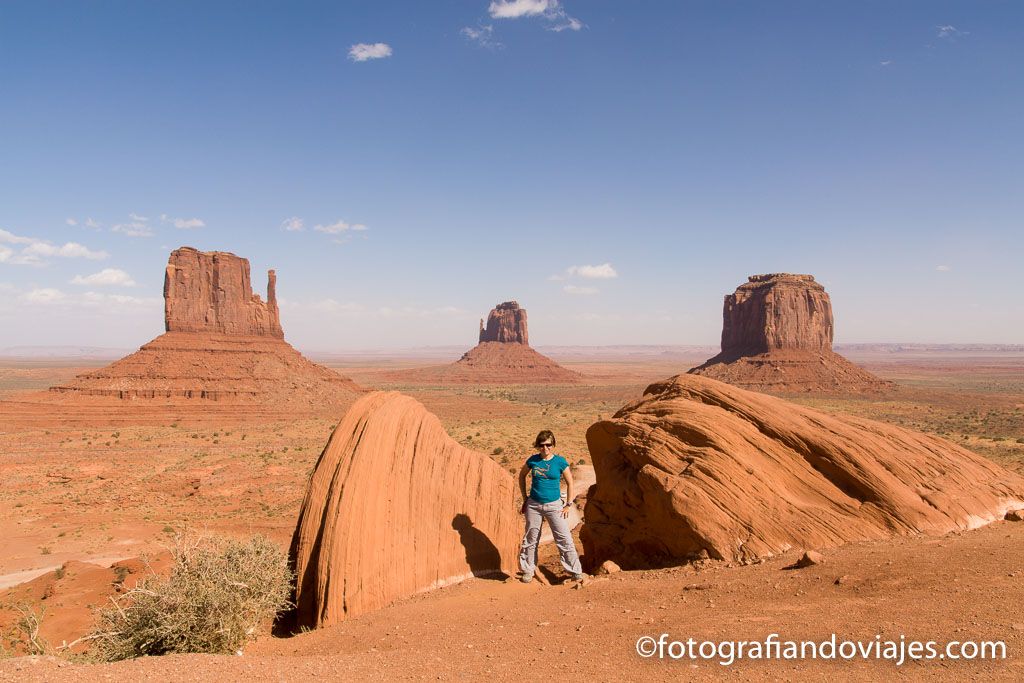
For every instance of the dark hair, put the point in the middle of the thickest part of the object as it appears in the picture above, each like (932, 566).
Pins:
(544, 436)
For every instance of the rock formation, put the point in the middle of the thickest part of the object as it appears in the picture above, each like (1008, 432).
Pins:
(777, 334)
(505, 323)
(211, 292)
(699, 466)
(503, 356)
(395, 507)
(222, 343)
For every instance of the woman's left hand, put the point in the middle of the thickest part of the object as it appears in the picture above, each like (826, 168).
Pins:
(565, 510)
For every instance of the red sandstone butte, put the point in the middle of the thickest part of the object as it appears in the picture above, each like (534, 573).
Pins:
(777, 334)
(505, 323)
(223, 343)
(503, 356)
(395, 507)
(211, 292)
(698, 466)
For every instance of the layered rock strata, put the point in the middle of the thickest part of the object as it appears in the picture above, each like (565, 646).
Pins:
(394, 507)
(777, 332)
(211, 292)
(223, 343)
(697, 466)
(506, 323)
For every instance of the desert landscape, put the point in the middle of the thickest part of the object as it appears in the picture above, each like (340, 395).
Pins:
(101, 483)
(508, 340)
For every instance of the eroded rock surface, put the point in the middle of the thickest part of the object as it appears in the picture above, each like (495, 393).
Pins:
(777, 332)
(210, 291)
(394, 507)
(699, 466)
(505, 323)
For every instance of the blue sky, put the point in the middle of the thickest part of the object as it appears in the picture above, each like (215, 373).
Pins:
(458, 154)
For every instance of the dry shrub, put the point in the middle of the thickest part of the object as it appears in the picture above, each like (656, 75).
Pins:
(217, 594)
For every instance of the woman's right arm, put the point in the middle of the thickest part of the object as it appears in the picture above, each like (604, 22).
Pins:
(524, 470)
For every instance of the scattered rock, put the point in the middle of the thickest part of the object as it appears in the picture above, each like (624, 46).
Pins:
(841, 580)
(1015, 516)
(608, 567)
(809, 559)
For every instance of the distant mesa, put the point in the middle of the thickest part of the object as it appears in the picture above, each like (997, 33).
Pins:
(506, 323)
(395, 507)
(223, 343)
(777, 334)
(698, 468)
(503, 356)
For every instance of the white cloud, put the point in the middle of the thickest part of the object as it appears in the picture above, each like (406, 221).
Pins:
(513, 9)
(71, 221)
(573, 289)
(37, 249)
(550, 10)
(44, 296)
(106, 277)
(183, 223)
(361, 52)
(116, 301)
(601, 272)
(339, 227)
(482, 36)
(11, 238)
(137, 217)
(943, 269)
(133, 229)
(950, 32)
(90, 223)
(885, 62)
(293, 224)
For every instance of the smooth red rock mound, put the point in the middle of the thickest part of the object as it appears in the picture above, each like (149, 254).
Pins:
(698, 465)
(394, 507)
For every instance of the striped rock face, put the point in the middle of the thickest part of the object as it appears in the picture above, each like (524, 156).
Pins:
(395, 507)
(697, 466)
(210, 291)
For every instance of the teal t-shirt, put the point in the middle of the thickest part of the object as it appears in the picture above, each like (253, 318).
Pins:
(547, 475)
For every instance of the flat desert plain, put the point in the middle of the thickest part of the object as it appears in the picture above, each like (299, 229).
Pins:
(86, 486)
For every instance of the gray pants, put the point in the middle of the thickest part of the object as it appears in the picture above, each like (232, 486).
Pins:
(536, 513)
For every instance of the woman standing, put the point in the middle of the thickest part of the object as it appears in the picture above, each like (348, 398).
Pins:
(547, 469)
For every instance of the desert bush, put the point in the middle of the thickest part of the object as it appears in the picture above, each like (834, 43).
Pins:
(217, 594)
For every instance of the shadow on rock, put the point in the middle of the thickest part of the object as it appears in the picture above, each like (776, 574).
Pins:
(481, 554)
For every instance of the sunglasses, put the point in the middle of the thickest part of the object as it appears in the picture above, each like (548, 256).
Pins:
(545, 445)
